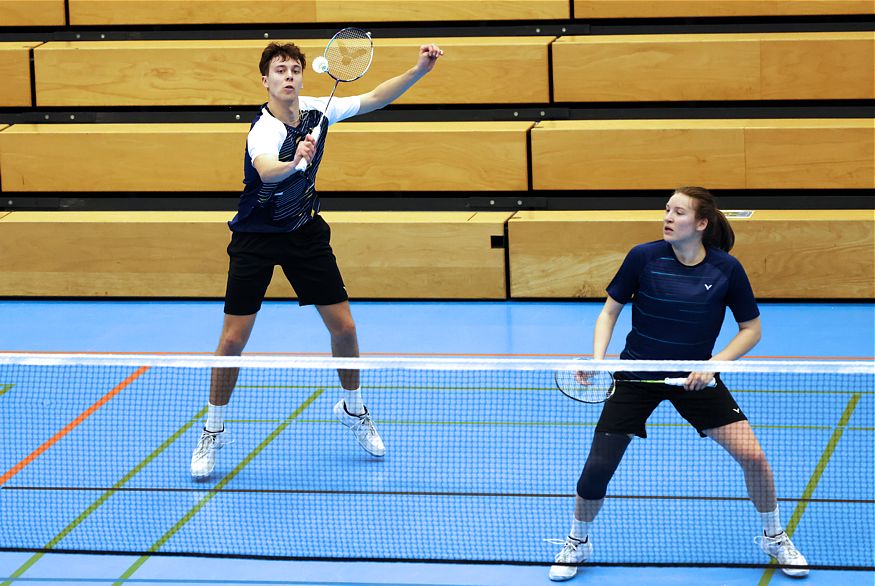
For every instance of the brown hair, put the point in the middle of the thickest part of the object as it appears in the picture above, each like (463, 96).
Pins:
(286, 51)
(718, 232)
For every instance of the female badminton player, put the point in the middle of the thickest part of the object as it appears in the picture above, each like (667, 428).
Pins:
(679, 287)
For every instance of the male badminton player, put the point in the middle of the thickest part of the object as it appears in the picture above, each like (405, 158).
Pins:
(278, 223)
(679, 287)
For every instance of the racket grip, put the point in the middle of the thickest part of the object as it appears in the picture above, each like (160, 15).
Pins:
(303, 164)
(679, 382)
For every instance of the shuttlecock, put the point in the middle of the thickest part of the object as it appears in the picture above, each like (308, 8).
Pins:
(320, 64)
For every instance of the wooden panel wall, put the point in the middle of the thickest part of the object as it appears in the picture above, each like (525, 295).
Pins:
(182, 254)
(647, 9)
(721, 154)
(786, 253)
(210, 73)
(749, 66)
(15, 73)
(122, 12)
(414, 156)
(32, 13)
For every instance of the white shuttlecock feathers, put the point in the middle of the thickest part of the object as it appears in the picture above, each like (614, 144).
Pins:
(320, 64)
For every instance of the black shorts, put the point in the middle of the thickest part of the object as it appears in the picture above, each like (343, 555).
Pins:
(632, 403)
(305, 256)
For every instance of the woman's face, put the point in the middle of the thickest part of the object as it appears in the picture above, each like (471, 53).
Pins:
(680, 224)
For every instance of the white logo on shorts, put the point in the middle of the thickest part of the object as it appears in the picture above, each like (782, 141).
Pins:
(737, 410)
(708, 287)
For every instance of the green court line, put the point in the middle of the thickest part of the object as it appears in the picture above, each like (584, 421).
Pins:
(4, 388)
(815, 478)
(218, 487)
(105, 496)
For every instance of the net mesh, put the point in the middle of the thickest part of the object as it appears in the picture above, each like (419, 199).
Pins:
(481, 465)
(349, 54)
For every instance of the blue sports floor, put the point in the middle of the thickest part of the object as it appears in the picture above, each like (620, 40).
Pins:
(791, 330)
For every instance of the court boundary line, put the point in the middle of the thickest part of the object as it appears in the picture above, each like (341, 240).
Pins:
(72, 425)
(454, 561)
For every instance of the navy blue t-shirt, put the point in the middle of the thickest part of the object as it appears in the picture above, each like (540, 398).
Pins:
(678, 310)
(291, 203)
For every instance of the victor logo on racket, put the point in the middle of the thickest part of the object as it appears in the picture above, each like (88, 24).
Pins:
(347, 57)
(597, 386)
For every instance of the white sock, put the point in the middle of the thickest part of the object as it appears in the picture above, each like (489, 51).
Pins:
(215, 418)
(353, 401)
(579, 529)
(772, 523)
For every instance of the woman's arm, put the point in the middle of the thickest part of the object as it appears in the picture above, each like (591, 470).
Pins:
(749, 333)
(604, 327)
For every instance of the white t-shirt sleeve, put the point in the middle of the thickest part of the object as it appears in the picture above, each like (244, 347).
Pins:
(265, 137)
(342, 108)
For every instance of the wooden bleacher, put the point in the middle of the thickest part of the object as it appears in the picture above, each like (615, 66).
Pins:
(787, 253)
(804, 254)
(708, 67)
(182, 254)
(627, 68)
(586, 9)
(131, 12)
(15, 73)
(211, 73)
(432, 156)
(383, 156)
(721, 154)
(14, 13)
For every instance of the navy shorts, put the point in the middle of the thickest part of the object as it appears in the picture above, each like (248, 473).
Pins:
(306, 259)
(632, 403)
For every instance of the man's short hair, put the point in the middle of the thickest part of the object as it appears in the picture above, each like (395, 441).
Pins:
(285, 50)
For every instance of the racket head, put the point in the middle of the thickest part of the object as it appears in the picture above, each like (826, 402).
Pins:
(349, 54)
(585, 386)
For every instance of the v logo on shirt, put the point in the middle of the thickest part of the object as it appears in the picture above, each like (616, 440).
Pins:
(708, 287)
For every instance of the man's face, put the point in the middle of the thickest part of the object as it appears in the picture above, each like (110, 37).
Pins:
(284, 78)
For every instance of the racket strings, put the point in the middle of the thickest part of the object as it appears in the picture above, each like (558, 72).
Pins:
(586, 386)
(349, 54)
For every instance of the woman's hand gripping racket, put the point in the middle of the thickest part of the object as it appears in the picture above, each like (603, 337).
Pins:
(346, 58)
(597, 386)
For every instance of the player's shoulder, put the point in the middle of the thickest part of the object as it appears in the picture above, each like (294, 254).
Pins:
(720, 256)
(312, 103)
(651, 249)
(263, 120)
(723, 261)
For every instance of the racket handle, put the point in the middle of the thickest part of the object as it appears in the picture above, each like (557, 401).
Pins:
(679, 382)
(303, 164)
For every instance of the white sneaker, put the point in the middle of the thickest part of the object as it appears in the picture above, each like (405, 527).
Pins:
(782, 549)
(203, 460)
(573, 552)
(363, 429)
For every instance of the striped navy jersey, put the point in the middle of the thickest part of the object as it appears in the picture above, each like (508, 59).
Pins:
(678, 310)
(286, 205)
